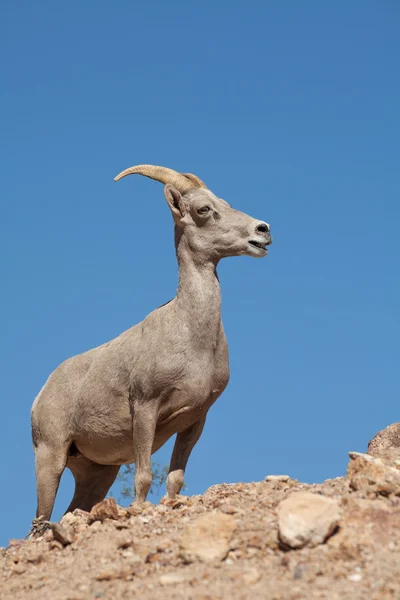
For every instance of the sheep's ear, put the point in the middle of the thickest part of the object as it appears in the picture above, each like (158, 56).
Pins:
(175, 201)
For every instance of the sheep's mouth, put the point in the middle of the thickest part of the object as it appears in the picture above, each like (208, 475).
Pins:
(258, 245)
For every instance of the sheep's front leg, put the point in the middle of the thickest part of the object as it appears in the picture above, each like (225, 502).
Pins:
(144, 426)
(184, 444)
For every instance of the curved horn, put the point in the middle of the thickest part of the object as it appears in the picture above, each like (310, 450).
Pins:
(162, 174)
(195, 179)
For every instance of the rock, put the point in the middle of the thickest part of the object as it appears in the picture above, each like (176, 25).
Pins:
(355, 577)
(54, 545)
(154, 557)
(386, 445)
(124, 539)
(82, 515)
(277, 478)
(61, 534)
(387, 438)
(69, 520)
(251, 576)
(113, 573)
(15, 543)
(372, 475)
(270, 538)
(107, 509)
(34, 553)
(207, 538)
(134, 510)
(228, 509)
(75, 522)
(173, 578)
(255, 541)
(177, 502)
(306, 519)
(18, 569)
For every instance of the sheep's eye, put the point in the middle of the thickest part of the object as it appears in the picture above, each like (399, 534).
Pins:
(203, 210)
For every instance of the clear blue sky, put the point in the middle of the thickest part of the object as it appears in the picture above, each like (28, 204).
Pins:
(289, 111)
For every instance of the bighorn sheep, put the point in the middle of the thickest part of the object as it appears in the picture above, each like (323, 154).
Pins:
(120, 402)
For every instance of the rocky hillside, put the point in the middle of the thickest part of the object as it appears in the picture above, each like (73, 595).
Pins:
(275, 539)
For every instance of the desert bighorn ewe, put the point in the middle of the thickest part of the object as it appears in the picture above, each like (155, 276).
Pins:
(120, 402)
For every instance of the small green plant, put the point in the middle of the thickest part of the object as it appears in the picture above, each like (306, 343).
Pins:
(126, 478)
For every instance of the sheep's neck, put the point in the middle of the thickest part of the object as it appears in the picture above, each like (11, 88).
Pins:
(199, 296)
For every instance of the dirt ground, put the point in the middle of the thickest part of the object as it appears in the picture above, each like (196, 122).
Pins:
(171, 550)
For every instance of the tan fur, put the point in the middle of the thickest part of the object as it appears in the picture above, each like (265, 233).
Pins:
(122, 401)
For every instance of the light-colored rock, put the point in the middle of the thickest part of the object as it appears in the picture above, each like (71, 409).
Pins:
(18, 569)
(282, 478)
(387, 438)
(306, 519)
(82, 515)
(55, 545)
(177, 502)
(355, 577)
(75, 522)
(386, 445)
(113, 573)
(61, 534)
(96, 526)
(106, 509)
(173, 578)
(207, 538)
(251, 576)
(228, 509)
(69, 520)
(136, 509)
(122, 512)
(372, 475)
(34, 554)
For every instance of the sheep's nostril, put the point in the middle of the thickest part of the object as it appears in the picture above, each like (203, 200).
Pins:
(263, 228)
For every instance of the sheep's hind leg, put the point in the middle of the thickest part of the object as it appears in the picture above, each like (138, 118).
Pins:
(50, 463)
(92, 481)
(184, 444)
